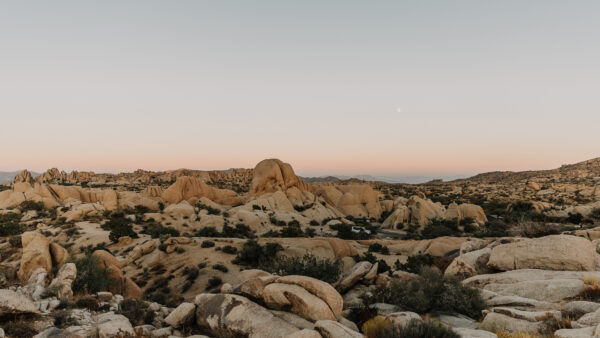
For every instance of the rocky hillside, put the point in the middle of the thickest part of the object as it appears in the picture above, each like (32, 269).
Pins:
(264, 253)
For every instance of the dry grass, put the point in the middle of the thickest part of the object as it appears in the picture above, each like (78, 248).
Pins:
(373, 327)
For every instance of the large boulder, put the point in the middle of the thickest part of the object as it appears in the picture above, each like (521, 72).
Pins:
(323, 290)
(332, 329)
(110, 325)
(464, 211)
(356, 273)
(64, 281)
(182, 315)
(556, 252)
(232, 315)
(192, 189)
(14, 303)
(274, 175)
(36, 254)
(295, 299)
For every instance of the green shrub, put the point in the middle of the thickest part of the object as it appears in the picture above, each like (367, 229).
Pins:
(595, 214)
(9, 224)
(309, 265)
(229, 249)
(211, 210)
(31, 205)
(119, 226)
(433, 292)
(220, 267)
(253, 254)
(15, 241)
(207, 244)
(156, 230)
(575, 218)
(440, 228)
(90, 277)
(239, 231)
(136, 311)
(415, 263)
(88, 302)
(213, 282)
(20, 328)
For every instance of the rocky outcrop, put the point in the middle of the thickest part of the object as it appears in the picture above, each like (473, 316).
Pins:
(191, 189)
(23, 177)
(557, 252)
(121, 284)
(14, 303)
(36, 254)
(224, 314)
(274, 175)
(296, 299)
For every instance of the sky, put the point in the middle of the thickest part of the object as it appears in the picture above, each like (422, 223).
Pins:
(385, 88)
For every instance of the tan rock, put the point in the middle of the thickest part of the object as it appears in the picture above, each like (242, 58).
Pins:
(274, 175)
(354, 275)
(296, 299)
(182, 315)
(223, 314)
(36, 254)
(58, 253)
(323, 290)
(556, 252)
(331, 329)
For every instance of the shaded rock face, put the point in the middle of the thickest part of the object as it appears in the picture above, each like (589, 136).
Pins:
(274, 175)
(36, 254)
(557, 252)
(192, 189)
(232, 315)
(121, 285)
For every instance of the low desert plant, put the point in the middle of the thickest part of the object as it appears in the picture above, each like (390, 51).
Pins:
(91, 278)
(309, 265)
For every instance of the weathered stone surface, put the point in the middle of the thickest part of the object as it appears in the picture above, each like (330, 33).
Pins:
(575, 333)
(36, 254)
(578, 308)
(354, 275)
(556, 252)
(14, 303)
(332, 329)
(472, 333)
(496, 321)
(232, 314)
(318, 288)
(182, 315)
(110, 324)
(297, 300)
(64, 281)
(402, 318)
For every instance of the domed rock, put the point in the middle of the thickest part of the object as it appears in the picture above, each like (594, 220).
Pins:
(36, 254)
(24, 176)
(296, 299)
(464, 211)
(422, 210)
(274, 175)
(191, 189)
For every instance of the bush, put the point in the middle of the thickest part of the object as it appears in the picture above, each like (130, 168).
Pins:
(213, 282)
(239, 231)
(90, 277)
(376, 247)
(415, 263)
(89, 303)
(253, 254)
(136, 311)
(31, 205)
(220, 267)
(309, 265)
(207, 244)
(156, 230)
(15, 241)
(229, 249)
(595, 214)
(433, 292)
(211, 210)
(575, 218)
(22, 328)
(119, 226)
(440, 228)
(9, 224)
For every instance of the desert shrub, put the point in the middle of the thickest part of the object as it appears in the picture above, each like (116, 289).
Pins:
(90, 277)
(207, 244)
(213, 282)
(376, 247)
(417, 329)
(433, 292)
(239, 231)
(575, 218)
(253, 254)
(369, 257)
(156, 230)
(415, 263)
(119, 226)
(315, 223)
(229, 249)
(31, 205)
(9, 225)
(534, 230)
(301, 208)
(15, 241)
(494, 228)
(376, 326)
(362, 314)
(21, 328)
(220, 267)
(309, 265)
(136, 311)
(440, 228)
(208, 232)
(595, 214)
(191, 276)
(208, 208)
(88, 302)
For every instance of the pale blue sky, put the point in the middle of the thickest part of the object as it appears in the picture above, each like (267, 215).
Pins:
(120, 85)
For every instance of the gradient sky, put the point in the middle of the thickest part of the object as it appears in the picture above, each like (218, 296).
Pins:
(332, 87)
